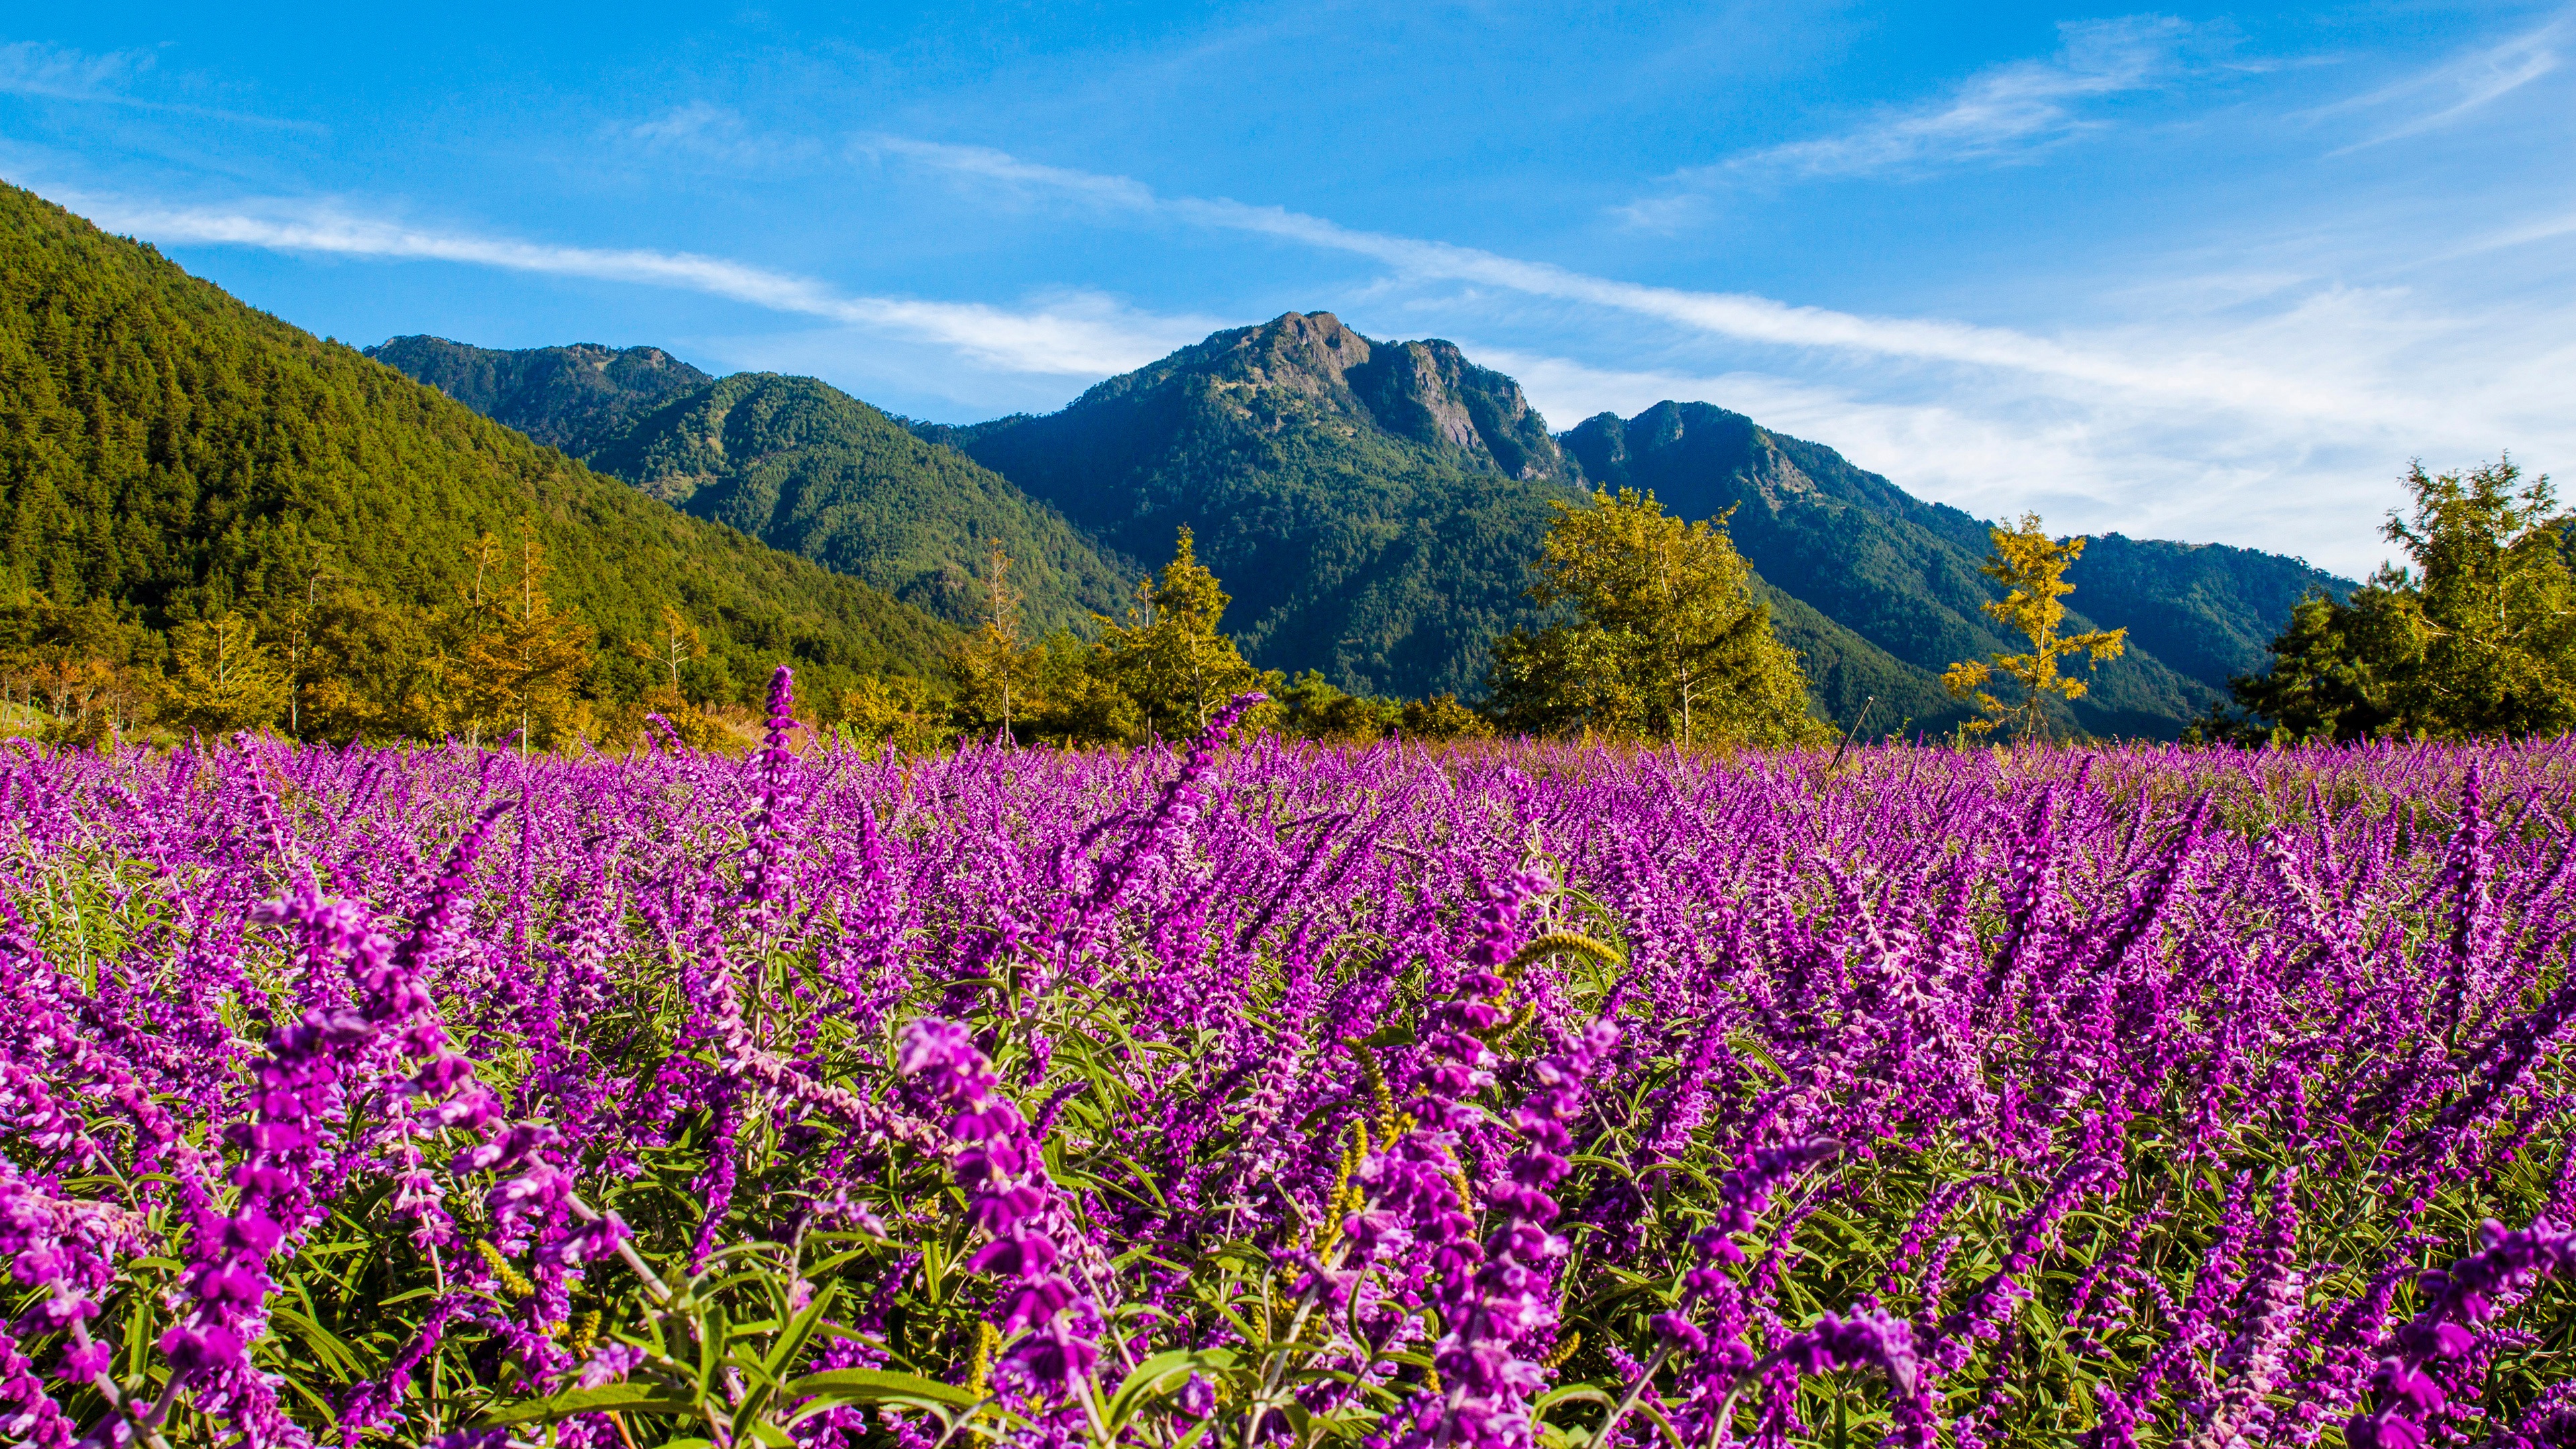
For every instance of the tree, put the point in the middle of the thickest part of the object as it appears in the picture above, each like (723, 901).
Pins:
(2475, 637)
(1071, 702)
(1441, 717)
(1169, 656)
(367, 669)
(221, 679)
(77, 667)
(897, 713)
(521, 664)
(1668, 639)
(2032, 568)
(991, 666)
(1320, 710)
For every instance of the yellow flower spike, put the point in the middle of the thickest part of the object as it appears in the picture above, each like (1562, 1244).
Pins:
(585, 1337)
(513, 1282)
(979, 1374)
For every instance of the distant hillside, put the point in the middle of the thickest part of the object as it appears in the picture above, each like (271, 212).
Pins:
(1371, 506)
(1903, 574)
(173, 453)
(573, 398)
(795, 463)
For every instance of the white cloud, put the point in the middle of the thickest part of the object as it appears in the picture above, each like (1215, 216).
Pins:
(713, 133)
(53, 72)
(58, 73)
(2447, 92)
(1074, 335)
(983, 163)
(2009, 111)
(2178, 371)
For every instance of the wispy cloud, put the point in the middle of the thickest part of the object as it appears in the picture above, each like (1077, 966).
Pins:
(2271, 410)
(1075, 335)
(57, 73)
(2208, 377)
(1002, 169)
(2005, 113)
(709, 132)
(33, 68)
(2463, 84)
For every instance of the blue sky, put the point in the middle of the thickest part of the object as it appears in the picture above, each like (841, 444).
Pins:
(2202, 274)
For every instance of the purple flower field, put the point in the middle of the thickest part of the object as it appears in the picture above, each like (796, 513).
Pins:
(1271, 1095)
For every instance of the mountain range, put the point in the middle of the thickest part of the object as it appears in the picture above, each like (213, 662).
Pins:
(1371, 506)
(169, 454)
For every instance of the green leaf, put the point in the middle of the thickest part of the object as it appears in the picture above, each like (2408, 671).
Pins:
(627, 1398)
(1147, 1381)
(877, 1386)
(800, 1331)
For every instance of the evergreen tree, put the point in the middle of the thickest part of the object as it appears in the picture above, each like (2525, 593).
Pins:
(221, 678)
(1668, 641)
(525, 656)
(2032, 568)
(2475, 637)
(1169, 656)
(369, 670)
(992, 668)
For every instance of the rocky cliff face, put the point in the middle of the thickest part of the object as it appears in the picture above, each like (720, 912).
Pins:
(1371, 505)
(1309, 367)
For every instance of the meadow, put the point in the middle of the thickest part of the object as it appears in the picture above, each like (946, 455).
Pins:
(1264, 1094)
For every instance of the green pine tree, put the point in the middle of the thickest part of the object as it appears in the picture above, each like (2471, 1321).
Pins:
(2474, 637)
(1168, 655)
(221, 678)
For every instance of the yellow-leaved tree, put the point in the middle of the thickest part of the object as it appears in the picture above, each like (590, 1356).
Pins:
(2032, 568)
(1669, 639)
(221, 678)
(525, 655)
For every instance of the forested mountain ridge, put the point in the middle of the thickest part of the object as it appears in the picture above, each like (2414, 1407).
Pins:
(793, 462)
(169, 454)
(1372, 507)
(1902, 573)
(574, 398)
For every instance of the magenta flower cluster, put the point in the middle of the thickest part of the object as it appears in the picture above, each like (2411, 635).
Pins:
(1265, 1095)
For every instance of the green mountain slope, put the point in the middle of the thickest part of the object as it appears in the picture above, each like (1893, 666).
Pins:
(1371, 506)
(1902, 574)
(795, 463)
(174, 453)
(573, 398)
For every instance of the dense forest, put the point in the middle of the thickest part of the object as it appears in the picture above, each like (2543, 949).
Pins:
(185, 476)
(793, 462)
(218, 521)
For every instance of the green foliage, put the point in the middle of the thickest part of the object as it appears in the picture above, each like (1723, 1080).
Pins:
(221, 679)
(1317, 710)
(2476, 638)
(1669, 639)
(1441, 717)
(1369, 504)
(169, 455)
(901, 714)
(2032, 568)
(791, 461)
(1894, 581)
(1168, 654)
(576, 398)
